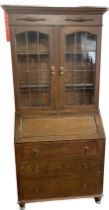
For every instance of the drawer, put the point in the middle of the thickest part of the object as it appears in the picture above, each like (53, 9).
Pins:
(63, 186)
(58, 167)
(55, 150)
(76, 20)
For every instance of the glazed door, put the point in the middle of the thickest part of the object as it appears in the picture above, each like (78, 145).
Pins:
(79, 67)
(33, 67)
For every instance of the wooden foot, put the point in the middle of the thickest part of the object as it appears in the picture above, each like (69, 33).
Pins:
(98, 200)
(22, 206)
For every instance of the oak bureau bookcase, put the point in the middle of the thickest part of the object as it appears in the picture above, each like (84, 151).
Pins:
(59, 136)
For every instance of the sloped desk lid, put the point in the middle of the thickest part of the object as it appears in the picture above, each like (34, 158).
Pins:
(49, 128)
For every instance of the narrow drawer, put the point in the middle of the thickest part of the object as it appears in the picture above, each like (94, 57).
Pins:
(76, 20)
(55, 150)
(63, 186)
(58, 167)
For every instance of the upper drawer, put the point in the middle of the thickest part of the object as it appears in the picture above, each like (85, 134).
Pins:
(76, 20)
(56, 150)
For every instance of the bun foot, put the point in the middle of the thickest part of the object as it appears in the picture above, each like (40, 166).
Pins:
(98, 200)
(22, 206)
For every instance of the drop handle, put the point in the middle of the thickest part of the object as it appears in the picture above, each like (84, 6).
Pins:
(85, 166)
(84, 186)
(35, 189)
(61, 70)
(52, 70)
(35, 169)
(35, 153)
(86, 148)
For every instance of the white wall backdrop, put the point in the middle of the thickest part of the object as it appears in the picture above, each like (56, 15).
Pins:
(8, 190)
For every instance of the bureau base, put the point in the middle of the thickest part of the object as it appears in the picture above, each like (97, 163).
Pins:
(60, 166)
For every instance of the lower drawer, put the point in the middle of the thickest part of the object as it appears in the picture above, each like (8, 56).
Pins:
(63, 186)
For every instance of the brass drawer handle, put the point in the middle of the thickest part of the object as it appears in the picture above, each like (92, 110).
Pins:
(84, 186)
(85, 166)
(61, 70)
(35, 153)
(86, 148)
(35, 170)
(52, 70)
(36, 189)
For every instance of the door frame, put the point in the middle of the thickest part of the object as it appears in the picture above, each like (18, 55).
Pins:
(14, 30)
(72, 29)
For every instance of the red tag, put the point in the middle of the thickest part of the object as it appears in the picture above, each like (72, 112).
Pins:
(7, 27)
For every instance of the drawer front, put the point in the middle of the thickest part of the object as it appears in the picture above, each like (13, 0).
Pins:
(76, 20)
(56, 150)
(63, 186)
(58, 167)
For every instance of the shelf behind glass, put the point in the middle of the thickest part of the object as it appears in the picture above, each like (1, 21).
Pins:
(79, 52)
(77, 95)
(82, 85)
(37, 86)
(34, 95)
(32, 53)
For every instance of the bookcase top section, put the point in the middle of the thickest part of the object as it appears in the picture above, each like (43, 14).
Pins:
(53, 10)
